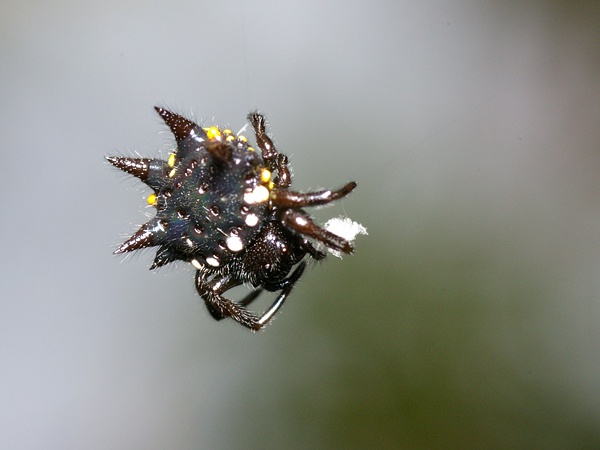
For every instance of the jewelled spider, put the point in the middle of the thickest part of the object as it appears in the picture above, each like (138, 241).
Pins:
(220, 208)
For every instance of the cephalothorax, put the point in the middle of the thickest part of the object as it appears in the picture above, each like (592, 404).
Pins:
(227, 210)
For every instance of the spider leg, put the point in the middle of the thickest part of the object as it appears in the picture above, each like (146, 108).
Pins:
(271, 156)
(222, 285)
(286, 282)
(317, 255)
(290, 199)
(300, 221)
(250, 297)
(269, 152)
(217, 286)
(284, 176)
(221, 307)
(278, 303)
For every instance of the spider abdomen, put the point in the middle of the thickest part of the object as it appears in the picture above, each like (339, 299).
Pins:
(211, 196)
(203, 205)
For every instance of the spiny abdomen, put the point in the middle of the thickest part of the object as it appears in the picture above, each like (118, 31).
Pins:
(211, 196)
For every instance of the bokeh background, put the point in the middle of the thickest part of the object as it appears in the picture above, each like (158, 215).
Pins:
(468, 318)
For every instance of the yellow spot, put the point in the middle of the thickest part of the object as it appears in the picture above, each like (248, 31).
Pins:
(172, 173)
(227, 131)
(242, 138)
(151, 199)
(271, 185)
(171, 160)
(265, 175)
(213, 133)
(230, 138)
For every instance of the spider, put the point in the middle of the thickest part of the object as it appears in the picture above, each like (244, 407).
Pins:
(221, 208)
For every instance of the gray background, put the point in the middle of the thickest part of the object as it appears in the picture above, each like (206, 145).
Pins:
(468, 318)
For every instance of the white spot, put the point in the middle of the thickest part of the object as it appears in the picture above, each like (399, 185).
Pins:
(196, 264)
(195, 136)
(213, 261)
(189, 242)
(301, 221)
(259, 194)
(251, 220)
(346, 228)
(234, 243)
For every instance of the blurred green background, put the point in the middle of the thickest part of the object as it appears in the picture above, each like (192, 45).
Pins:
(468, 318)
